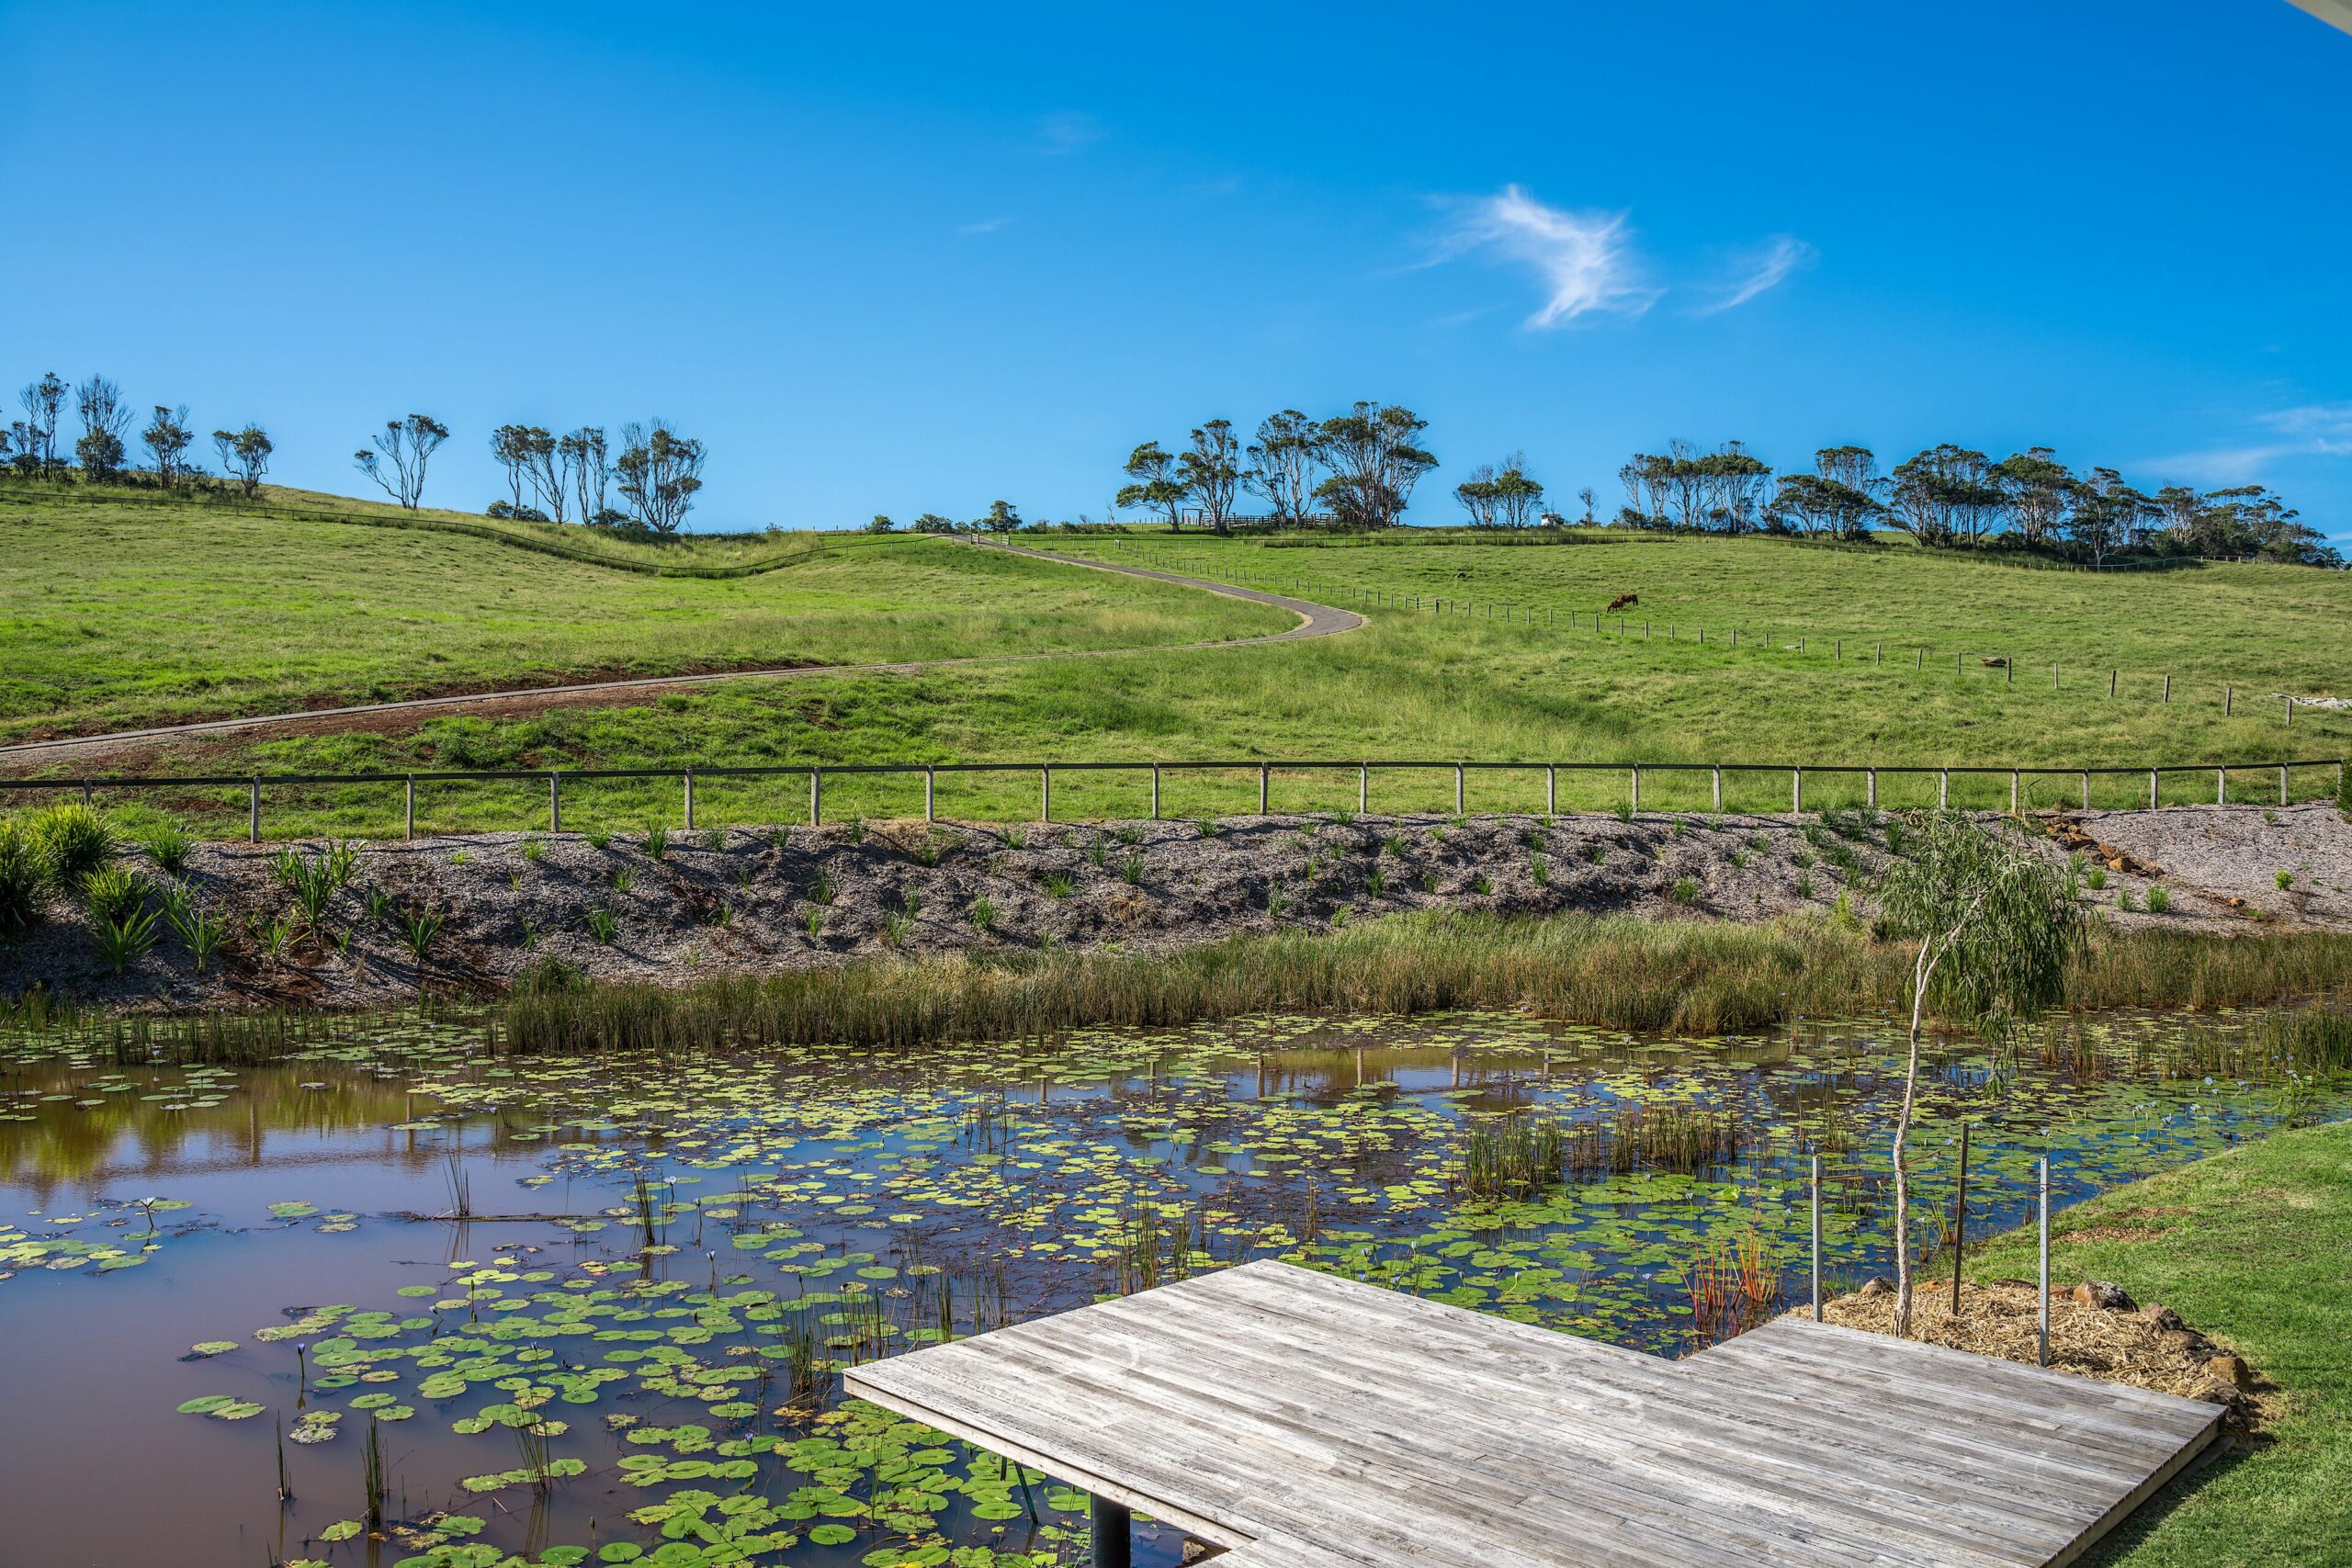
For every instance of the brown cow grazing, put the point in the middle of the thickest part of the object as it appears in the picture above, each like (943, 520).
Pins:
(1624, 602)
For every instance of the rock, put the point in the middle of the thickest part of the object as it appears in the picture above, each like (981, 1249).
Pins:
(2212, 1390)
(1875, 1287)
(2163, 1319)
(2181, 1339)
(2103, 1294)
(2230, 1369)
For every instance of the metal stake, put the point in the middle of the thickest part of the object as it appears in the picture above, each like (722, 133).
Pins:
(2043, 1356)
(1816, 1238)
(1959, 1221)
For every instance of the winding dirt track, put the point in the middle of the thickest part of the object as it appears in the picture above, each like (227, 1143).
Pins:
(1315, 620)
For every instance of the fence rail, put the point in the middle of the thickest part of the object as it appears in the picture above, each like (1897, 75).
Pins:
(1263, 768)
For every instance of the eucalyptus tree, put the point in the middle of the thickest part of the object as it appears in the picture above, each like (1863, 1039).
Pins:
(1376, 461)
(1155, 482)
(591, 460)
(1283, 464)
(1996, 926)
(245, 455)
(1476, 494)
(2038, 491)
(1211, 472)
(1586, 496)
(41, 400)
(2106, 512)
(547, 464)
(1517, 497)
(100, 450)
(168, 438)
(659, 473)
(1943, 494)
(510, 444)
(1002, 517)
(398, 460)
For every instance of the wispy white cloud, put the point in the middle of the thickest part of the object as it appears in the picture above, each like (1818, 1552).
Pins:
(1758, 269)
(1068, 131)
(1585, 259)
(2311, 429)
(984, 226)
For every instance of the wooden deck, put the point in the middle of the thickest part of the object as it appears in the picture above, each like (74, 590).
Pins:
(1305, 1420)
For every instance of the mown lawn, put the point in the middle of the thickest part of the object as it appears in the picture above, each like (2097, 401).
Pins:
(119, 613)
(2254, 1249)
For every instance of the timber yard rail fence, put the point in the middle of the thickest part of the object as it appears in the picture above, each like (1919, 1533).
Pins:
(2151, 685)
(1264, 770)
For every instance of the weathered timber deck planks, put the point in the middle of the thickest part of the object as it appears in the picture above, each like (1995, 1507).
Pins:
(1310, 1422)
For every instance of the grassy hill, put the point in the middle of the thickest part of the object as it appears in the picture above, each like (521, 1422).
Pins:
(130, 614)
(125, 611)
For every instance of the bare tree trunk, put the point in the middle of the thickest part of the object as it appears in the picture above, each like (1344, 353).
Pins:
(1920, 971)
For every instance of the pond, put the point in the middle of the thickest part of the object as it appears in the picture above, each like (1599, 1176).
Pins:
(507, 1308)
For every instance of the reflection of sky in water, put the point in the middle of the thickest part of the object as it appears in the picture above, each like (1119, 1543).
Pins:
(1026, 1173)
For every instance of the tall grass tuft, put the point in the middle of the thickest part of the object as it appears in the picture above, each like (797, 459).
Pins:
(24, 874)
(73, 841)
(168, 845)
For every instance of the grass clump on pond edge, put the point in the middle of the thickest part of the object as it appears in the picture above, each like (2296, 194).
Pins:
(1615, 972)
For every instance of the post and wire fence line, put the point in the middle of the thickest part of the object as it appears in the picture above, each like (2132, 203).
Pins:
(1673, 785)
(2152, 685)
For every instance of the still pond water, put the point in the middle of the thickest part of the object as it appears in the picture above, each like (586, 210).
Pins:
(589, 1309)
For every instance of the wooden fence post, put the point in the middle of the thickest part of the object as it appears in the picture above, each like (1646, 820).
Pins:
(1637, 787)
(2110, 682)
(1719, 786)
(2282, 784)
(2151, 789)
(816, 796)
(2291, 713)
(1551, 790)
(555, 802)
(1045, 792)
(1871, 775)
(253, 817)
(1155, 792)
(1796, 791)
(2167, 686)
(929, 794)
(2229, 699)
(1457, 789)
(1943, 789)
(690, 799)
(408, 815)
(1364, 788)
(2087, 789)
(1261, 788)
(2221, 786)
(2013, 792)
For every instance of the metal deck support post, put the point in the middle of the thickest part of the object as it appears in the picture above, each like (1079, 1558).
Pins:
(689, 782)
(408, 817)
(253, 815)
(1262, 782)
(931, 795)
(555, 803)
(1109, 1527)
(1719, 786)
(2043, 1358)
(1155, 792)
(1959, 1221)
(1457, 789)
(816, 796)
(1816, 1238)
(1045, 792)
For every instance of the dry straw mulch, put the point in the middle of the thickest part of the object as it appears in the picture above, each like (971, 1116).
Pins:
(2149, 1347)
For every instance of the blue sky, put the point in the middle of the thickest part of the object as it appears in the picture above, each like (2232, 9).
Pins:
(922, 261)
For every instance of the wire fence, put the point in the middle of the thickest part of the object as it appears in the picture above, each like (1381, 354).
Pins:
(1507, 787)
(1628, 626)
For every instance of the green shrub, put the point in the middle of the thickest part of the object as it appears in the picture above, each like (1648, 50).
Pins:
(24, 873)
(112, 892)
(74, 841)
(120, 942)
(2284, 878)
(168, 845)
(1686, 891)
(657, 840)
(2159, 901)
(983, 914)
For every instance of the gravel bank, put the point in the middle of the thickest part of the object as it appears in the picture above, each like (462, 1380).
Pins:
(744, 900)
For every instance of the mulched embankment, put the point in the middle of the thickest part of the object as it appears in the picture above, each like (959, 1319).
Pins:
(758, 900)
